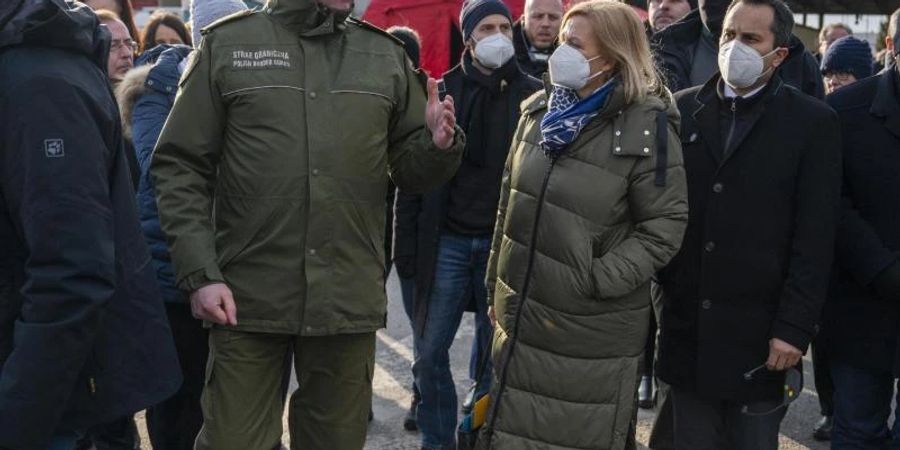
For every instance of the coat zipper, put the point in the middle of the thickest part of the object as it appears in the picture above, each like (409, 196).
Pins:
(733, 126)
(524, 295)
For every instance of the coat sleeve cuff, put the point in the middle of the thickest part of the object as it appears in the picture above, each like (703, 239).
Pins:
(792, 335)
(455, 149)
(203, 277)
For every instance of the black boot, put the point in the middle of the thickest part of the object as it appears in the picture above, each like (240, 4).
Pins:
(409, 422)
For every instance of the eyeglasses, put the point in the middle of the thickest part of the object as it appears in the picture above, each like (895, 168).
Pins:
(118, 44)
(842, 77)
(793, 386)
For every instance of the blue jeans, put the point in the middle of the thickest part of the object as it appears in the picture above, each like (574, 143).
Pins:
(459, 279)
(862, 407)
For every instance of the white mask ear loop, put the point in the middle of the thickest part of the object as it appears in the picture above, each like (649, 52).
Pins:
(591, 77)
(771, 67)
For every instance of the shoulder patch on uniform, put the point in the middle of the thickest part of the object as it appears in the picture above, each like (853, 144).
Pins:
(227, 19)
(368, 26)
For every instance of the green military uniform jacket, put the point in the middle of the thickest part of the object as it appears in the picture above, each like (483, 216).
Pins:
(272, 169)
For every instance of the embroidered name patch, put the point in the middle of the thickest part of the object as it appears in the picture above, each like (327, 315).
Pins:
(260, 59)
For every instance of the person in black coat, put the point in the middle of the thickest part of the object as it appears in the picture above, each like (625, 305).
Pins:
(862, 317)
(83, 334)
(746, 290)
(686, 52)
(452, 226)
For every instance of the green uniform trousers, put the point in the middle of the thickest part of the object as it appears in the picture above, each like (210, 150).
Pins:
(242, 398)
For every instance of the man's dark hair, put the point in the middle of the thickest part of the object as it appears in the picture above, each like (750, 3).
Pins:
(894, 30)
(782, 26)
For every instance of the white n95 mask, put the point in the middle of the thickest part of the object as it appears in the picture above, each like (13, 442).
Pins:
(494, 51)
(569, 68)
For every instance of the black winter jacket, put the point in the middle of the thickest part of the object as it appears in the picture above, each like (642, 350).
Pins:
(756, 256)
(673, 48)
(420, 219)
(83, 334)
(863, 327)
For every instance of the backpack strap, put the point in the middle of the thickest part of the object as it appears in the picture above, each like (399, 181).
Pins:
(662, 148)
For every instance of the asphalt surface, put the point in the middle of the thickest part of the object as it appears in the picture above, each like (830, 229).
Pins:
(393, 379)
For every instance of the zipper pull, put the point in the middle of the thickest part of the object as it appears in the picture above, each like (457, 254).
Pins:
(92, 385)
(734, 104)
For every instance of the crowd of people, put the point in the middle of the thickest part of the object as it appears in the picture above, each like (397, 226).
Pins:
(664, 214)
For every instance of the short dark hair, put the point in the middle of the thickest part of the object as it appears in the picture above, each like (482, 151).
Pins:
(162, 17)
(782, 26)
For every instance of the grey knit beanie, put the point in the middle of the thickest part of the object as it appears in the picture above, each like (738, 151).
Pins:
(205, 12)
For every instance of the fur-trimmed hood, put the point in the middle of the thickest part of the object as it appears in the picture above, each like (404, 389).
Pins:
(132, 87)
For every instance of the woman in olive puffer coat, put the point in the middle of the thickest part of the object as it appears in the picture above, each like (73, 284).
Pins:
(593, 203)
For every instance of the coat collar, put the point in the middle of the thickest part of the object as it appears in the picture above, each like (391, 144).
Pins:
(305, 17)
(708, 107)
(886, 104)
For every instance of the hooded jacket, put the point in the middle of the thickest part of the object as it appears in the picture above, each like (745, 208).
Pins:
(577, 241)
(674, 46)
(146, 96)
(83, 335)
(272, 169)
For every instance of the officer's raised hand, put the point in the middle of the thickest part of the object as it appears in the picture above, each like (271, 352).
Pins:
(440, 117)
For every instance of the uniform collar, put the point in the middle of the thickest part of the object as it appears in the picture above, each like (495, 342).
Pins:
(305, 17)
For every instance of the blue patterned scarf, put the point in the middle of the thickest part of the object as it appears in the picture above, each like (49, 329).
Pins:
(568, 115)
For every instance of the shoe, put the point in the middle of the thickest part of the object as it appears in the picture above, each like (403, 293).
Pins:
(645, 393)
(822, 431)
(409, 421)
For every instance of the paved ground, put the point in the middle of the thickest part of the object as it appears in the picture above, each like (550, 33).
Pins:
(393, 379)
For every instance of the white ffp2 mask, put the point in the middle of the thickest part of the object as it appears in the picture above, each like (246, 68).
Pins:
(494, 51)
(569, 68)
(740, 64)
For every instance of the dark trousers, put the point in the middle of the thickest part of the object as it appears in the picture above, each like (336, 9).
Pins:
(408, 291)
(702, 424)
(120, 434)
(862, 401)
(822, 371)
(662, 436)
(175, 423)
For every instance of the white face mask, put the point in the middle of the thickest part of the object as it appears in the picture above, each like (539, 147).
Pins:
(740, 64)
(569, 68)
(494, 51)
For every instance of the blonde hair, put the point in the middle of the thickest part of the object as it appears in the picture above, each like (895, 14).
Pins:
(622, 39)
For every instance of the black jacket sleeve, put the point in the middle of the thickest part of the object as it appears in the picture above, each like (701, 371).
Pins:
(817, 199)
(54, 178)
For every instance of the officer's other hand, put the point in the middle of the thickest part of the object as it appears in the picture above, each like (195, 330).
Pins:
(214, 303)
(492, 315)
(782, 355)
(440, 116)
